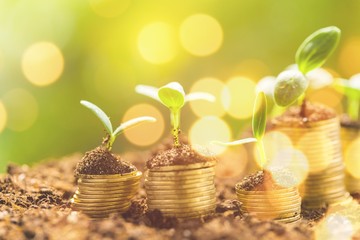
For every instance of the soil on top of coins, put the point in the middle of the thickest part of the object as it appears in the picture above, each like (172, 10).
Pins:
(347, 122)
(35, 203)
(300, 116)
(181, 155)
(100, 161)
(259, 181)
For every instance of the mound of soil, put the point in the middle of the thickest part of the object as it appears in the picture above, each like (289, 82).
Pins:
(35, 204)
(347, 122)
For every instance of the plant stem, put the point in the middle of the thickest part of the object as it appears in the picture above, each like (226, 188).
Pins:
(261, 149)
(303, 109)
(353, 108)
(175, 122)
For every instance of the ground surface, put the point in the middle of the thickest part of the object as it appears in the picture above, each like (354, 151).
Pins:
(34, 204)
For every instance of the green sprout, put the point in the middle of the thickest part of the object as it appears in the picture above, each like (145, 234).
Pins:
(258, 128)
(313, 52)
(351, 89)
(111, 135)
(173, 97)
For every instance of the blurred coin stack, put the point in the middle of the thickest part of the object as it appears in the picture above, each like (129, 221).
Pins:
(350, 138)
(183, 191)
(282, 205)
(100, 195)
(320, 142)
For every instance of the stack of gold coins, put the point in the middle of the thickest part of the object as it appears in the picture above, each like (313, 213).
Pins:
(320, 143)
(282, 205)
(100, 195)
(183, 191)
(350, 138)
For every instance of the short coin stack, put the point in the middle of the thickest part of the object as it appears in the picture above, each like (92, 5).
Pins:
(320, 142)
(350, 138)
(282, 205)
(100, 195)
(183, 191)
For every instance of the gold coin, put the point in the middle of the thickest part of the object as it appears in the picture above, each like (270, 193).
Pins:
(269, 215)
(108, 188)
(100, 209)
(100, 204)
(188, 211)
(104, 196)
(179, 192)
(108, 185)
(269, 209)
(179, 182)
(180, 196)
(293, 219)
(104, 192)
(180, 178)
(181, 201)
(270, 206)
(188, 186)
(180, 173)
(184, 167)
(265, 194)
(170, 205)
(110, 176)
(277, 191)
(100, 199)
(94, 213)
(112, 181)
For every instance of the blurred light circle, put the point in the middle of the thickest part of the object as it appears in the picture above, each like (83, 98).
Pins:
(349, 57)
(157, 42)
(352, 156)
(319, 78)
(3, 116)
(201, 35)
(208, 129)
(42, 63)
(146, 133)
(266, 85)
(109, 8)
(204, 108)
(238, 97)
(274, 142)
(22, 109)
(327, 96)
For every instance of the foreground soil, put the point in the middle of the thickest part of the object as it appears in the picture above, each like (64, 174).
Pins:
(35, 204)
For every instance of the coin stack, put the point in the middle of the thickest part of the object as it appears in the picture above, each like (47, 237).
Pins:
(183, 191)
(351, 154)
(282, 205)
(100, 195)
(320, 142)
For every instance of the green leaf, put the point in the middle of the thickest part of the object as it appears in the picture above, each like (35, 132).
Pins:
(100, 114)
(317, 48)
(235, 143)
(259, 116)
(200, 96)
(344, 86)
(289, 86)
(172, 95)
(132, 123)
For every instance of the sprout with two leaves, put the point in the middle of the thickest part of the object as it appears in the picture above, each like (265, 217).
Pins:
(112, 134)
(173, 97)
(291, 85)
(258, 128)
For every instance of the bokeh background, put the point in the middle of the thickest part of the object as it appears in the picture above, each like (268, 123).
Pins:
(55, 53)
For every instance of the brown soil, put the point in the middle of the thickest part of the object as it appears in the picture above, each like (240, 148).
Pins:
(259, 181)
(349, 123)
(181, 155)
(35, 204)
(100, 161)
(300, 116)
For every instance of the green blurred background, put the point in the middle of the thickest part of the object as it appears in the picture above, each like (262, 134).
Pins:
(55, 53)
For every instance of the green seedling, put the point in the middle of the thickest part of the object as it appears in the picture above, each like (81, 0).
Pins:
(173, 97)
(291, 85)
(351, 90)
(111, 134)
(258, 128)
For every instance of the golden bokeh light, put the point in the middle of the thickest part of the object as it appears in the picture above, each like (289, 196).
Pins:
(22, 109)
(274, 142)
(350, 57)
(327, 96)
(238, 97)
(201, 35)
(283, 177)
(205, 108)
(42, 63)
(335, 226)
(146, 133)
(252, 68)
(208, 129)
(3, 116)
(319, 78)
(109, 8)
(157, 42)
(352, 157)
(234, 162)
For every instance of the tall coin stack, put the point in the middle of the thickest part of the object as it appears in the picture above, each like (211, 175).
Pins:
(282, 205)
(320, 142)
(183, 191)
(100, 195)
(350, 138)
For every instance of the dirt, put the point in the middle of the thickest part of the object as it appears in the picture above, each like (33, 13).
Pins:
(259, 181)
(347, 122)
(35, 204)
(300, 116)
(100, 161)
(182, 155)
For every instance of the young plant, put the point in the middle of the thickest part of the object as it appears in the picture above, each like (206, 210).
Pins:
(351, 90)
(173, 97)
(313, 52)
(258, 128)
(111, 134)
